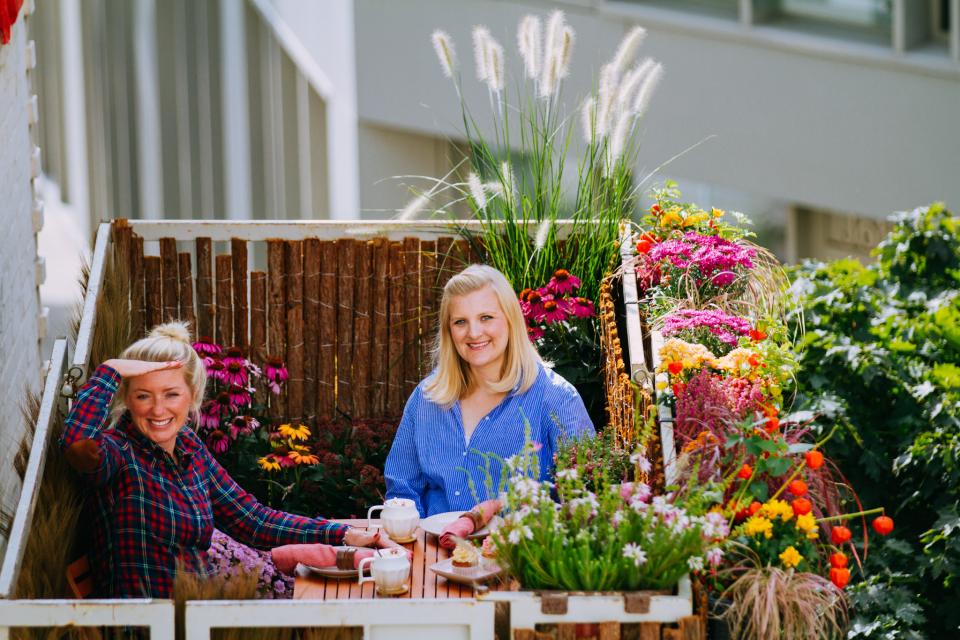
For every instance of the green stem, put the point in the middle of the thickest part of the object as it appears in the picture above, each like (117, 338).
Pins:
(848, 516)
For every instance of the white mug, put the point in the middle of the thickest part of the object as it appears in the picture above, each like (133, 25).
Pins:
(399, 518)
(389, 570)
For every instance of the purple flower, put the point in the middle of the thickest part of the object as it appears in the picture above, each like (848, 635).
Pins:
(216, 370)
(209, 415)
(235, 372)
(228, 557)
(218, 441)
(534, 333)
(726, 327)
(242, 426)
(582, 308)
(532, 306)
(553, 311)
(276, 373)
(239, 396)
(206, 347)
(563, 282)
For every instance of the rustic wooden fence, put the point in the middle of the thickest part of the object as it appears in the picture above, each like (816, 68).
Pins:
(353, 320)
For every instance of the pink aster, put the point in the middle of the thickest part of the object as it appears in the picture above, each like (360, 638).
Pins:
(563, 282)
(206, 347)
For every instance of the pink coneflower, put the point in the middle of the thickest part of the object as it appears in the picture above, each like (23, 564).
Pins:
(243, 426)
(582, 308)
(533, 306)
(553, 312)
(218, 441)
(239, 396)
(223, 404)
(563, 282)
(216, 369)
(534, 333)
(275, 370)
(209, 417)
(205, 346)
(235, 372)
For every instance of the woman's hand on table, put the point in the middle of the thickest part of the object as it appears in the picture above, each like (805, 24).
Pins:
(356, 537)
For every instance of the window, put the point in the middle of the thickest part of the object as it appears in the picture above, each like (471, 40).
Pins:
(714, 8)
(865, 20)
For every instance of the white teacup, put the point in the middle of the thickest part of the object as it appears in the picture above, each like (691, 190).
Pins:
(389, 570)
(399, 518)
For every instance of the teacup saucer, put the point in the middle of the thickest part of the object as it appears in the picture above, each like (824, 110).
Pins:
(394, 592)
(405, 540)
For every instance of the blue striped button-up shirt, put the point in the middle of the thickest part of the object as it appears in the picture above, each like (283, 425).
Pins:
(430, 450)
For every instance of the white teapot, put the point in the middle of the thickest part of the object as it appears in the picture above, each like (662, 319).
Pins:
(389, 570)
(399, 518)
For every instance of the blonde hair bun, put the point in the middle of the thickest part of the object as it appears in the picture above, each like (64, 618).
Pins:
(179, 331)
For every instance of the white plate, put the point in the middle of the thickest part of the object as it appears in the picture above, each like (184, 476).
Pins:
(436, 523)
(468, 575)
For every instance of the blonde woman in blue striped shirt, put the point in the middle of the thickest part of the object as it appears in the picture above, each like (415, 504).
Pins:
(487, 378)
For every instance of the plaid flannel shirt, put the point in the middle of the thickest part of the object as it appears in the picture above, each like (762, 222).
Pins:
(147, 511)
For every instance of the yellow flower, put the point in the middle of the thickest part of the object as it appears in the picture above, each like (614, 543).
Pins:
(661, 385)
(790, 557)
(695, 218)
(774, 508)
(755, 525)
(269, 463)
(299, 432)
(717, 213)
(692, 356)
(302, 458)
(671, 217)
(737, 363)
(808, 524)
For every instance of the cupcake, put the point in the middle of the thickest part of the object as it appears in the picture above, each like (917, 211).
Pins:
(465, 556)
(487, 550)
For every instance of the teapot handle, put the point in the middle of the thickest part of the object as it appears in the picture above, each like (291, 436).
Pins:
(370, 513)
(360, 566)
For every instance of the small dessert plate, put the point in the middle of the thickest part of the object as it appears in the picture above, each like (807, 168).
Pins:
(436, 523)
(484, 571)
(334, 572)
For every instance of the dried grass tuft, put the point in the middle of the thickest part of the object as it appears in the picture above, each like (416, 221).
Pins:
(772, 603)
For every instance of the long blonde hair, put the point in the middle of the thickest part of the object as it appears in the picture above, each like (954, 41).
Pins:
(451, 377)
(165, 342)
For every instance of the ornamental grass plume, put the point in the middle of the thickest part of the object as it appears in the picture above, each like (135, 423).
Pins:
(445, 52)
(530, 45)
(776, 603)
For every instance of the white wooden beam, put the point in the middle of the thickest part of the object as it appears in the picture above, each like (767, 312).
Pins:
(85, 333)
(236, 115)
(75, 112)
(149, 143)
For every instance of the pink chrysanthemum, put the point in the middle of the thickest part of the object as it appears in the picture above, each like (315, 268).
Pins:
(563, 282)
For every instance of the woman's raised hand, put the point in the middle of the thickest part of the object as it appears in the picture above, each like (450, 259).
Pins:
(134, 368)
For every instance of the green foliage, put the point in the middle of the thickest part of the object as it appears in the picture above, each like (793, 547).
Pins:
(881, 359)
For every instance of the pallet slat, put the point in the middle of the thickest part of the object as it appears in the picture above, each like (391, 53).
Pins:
(223, 269)
(363, 310)
(171, 279)
(187, 313)
(293, 264)
(327, 347)
(238, 249)
(153, 288)
(395, 364)
(205, 307)
(346, 281)
(138, 312)
(258, 315)
(311, 326)
(411, 314)
(380, 320)
(276, 310)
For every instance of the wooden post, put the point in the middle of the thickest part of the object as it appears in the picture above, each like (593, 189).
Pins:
(411, 314)
(380, 320)
(238, 249)
(311, 324)
(294, 269)
(327, 346)
(171, 284)
(224, 305)
(276, 311)
(346, 281)
(122, 235)
(429, 300)
(395, 360)
(258, 316)
(154, 300)
(186, 292)
(363, 310)
(205, 308)
(137, 284)
(445, 264)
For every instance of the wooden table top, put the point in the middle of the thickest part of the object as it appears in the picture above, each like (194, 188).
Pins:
(423, 583)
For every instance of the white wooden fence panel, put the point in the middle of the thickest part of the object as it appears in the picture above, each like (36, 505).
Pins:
(157, 615)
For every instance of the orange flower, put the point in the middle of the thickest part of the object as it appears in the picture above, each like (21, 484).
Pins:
(745, 472)
(840, 576)
(801, 506)
(773, 423)
(840, 534)
(754, 507)
(838, 560)
(643, 246)
(754, 360)
(675, 367)
(756, 335)
(814, 459)
(656, 210)
(883, 525)
(797, 488)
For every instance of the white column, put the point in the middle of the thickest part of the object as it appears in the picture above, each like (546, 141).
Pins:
(75, 114)
(236, 117)
(149, 144)
(342, 156)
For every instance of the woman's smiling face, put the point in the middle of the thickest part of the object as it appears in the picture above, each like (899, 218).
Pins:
(480, 331)
(159, 404)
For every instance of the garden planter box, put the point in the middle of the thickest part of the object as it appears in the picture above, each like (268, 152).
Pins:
(646, 615)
